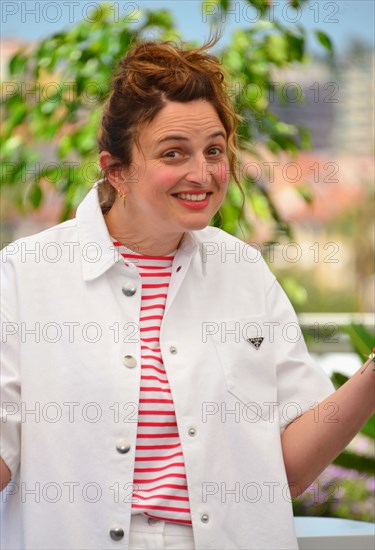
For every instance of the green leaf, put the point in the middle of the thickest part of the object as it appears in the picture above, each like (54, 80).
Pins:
(161, 18)
(324, 40)
(369, 427)
(305, 192)
(35, 195)
(294, 290)
(48, 107)
(296, 46)
(354, 461)
(11, 145)
(65, 146)
(261, 5)
(276, 48)
(338, 379)
(362, 340)
(224, 4)
(17, 64)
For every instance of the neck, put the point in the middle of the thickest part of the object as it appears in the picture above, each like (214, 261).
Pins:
(141, 243)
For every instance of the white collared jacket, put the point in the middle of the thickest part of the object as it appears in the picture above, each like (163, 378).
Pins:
(237, 365)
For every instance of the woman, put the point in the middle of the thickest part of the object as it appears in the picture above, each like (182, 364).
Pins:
(157, 391)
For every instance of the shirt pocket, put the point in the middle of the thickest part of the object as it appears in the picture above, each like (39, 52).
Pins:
(244, 353)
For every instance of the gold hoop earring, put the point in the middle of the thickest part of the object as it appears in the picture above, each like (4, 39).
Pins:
(123, 196)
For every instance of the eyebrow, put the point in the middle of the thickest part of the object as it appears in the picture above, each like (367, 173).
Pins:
(220, 133)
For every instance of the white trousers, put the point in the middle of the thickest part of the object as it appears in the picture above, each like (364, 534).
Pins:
(152, 534)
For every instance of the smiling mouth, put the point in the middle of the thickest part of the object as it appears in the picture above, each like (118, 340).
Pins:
(190, 197)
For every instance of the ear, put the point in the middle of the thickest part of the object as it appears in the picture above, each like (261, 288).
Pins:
(115, 175)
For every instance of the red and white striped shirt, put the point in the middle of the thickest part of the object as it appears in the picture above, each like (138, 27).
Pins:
(160, 485)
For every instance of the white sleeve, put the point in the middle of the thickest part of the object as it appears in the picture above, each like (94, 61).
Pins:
(301, 383)
(10, 390)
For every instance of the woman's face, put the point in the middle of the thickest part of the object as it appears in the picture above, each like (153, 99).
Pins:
(180, 172)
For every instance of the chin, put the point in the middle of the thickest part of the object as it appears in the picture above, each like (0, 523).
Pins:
(196, 225)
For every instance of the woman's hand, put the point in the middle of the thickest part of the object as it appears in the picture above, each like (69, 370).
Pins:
(370, 360)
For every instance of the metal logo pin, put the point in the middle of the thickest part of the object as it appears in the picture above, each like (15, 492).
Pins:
(256, 342)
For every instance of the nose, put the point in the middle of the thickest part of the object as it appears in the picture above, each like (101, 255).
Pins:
(199, 170)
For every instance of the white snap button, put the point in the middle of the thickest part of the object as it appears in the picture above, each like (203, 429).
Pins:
(116, 533)
(129, 289)
(123, 446)
(129, 361)
(152, 521)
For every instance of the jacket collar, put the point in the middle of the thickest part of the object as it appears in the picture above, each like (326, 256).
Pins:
(98, 253)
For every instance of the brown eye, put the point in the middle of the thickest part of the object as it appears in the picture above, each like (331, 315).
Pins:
(215, 151)
(171, 154)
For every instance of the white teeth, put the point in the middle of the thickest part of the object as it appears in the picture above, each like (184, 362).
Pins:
(187, 196)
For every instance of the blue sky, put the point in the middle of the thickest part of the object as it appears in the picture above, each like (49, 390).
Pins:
(343, 20)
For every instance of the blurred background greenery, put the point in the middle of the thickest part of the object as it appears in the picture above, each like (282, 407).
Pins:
(306, 165)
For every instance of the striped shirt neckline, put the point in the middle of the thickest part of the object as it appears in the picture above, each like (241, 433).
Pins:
(144, 260)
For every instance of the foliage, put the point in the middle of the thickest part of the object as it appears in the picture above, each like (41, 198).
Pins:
(67, 77)
(338, 492)
(52, 103)
(361, 339)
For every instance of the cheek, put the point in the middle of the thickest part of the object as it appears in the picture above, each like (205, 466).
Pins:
(163, 178)
(223, 174)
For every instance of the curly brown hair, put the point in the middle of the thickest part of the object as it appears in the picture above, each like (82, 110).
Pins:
(148, 76)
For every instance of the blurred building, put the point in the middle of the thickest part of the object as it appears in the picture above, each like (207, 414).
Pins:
(335, 103)
(354, 114)
(307, 97)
